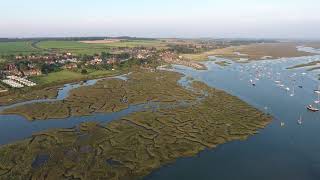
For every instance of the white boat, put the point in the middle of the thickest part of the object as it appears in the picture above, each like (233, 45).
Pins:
(282, 124)
(292, 94)
(311, 108)
(318, 100)
(252, 82)
(300, 121)
(317, 90)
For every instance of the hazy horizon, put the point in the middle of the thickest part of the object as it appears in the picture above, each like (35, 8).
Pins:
(176, 18)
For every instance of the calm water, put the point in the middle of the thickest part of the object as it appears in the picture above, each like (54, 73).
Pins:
(289, 152)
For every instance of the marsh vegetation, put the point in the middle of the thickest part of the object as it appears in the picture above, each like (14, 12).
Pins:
(132, 146)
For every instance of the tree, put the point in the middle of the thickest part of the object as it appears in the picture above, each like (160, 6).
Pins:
(85, 57)
(84, 71)
(105, 55)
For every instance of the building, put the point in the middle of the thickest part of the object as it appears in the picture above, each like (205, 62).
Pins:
(70, 66)
(32, 72)
(112, 61)
(11, 67)
(96, 61)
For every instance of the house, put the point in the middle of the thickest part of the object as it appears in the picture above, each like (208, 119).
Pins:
(32, 72)
(19, 57)
(96, 61)
(11, 69)
(112, 61)
(50, 62)
(70, 66)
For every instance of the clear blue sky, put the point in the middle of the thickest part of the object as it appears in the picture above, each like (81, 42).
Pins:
(161, 18)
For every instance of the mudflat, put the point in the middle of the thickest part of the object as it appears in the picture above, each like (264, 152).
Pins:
(260, 51)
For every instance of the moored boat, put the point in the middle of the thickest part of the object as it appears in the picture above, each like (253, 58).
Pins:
(300, 121)
(311, 108)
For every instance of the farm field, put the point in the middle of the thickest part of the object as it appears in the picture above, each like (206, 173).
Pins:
(23, 47)
(90, 47)
(75, 47)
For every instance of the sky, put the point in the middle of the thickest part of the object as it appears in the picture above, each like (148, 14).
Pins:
(161, 18)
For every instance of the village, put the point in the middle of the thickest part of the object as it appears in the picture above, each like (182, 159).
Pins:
(18, 72)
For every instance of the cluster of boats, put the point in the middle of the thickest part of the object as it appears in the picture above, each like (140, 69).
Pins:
(312, 108)
(299, 122)
(260, 71)
(277, 72)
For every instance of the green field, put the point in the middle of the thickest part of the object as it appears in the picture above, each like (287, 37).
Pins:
(137, 43)
(68, 76)
(23, 47)
(66, 45)
(86, 48)
(76, 47)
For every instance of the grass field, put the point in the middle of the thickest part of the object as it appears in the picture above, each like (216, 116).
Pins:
(68, 76)
(23, 47)
(136, 43)
(77, 47)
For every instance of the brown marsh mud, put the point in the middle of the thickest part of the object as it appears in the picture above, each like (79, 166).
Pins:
(315, 45)
(139, 143)
(261, 51)
(310, 64)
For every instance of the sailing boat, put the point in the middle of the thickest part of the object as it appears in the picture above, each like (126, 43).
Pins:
(292, 94)
(300, 120)
(318, 100)
(252, 82)
(282, 124)
(317, 90)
